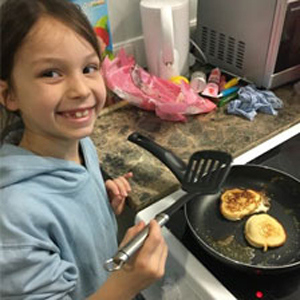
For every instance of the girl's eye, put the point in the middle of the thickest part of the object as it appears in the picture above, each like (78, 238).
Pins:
(90, 69)
(50, 73)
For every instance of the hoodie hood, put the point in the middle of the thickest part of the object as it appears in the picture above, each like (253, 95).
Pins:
(18, 165)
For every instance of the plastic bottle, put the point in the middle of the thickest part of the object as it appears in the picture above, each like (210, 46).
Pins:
(198, 81)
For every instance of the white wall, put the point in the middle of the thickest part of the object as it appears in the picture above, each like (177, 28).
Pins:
(125, 21)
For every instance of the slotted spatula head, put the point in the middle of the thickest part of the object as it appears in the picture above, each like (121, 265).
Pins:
(206, 171)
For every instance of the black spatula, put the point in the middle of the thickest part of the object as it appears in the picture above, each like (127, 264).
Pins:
(205, 174)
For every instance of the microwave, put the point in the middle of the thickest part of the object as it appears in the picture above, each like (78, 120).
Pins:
(257, 40)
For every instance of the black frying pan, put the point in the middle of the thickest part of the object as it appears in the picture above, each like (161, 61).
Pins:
(225, 240)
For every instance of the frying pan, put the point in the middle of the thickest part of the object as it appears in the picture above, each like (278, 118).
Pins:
(224, 239)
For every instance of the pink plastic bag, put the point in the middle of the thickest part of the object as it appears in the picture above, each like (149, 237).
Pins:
(169, 101)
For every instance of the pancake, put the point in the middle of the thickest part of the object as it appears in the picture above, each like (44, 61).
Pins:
(238, 203)
(263, 231)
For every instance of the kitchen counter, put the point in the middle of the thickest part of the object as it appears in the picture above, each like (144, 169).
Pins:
(216, 130)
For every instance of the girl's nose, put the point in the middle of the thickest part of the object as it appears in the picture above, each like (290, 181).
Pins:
(78, 87)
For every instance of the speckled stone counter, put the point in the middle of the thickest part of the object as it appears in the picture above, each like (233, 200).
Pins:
(216, 130)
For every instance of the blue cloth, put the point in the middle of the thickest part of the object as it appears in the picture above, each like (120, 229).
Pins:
(251, 100)
(57, 227)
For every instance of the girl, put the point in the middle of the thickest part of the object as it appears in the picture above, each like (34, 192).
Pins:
(57, 227)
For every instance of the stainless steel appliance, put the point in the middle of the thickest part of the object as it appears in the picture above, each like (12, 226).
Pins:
(192, 274)
(257, 40)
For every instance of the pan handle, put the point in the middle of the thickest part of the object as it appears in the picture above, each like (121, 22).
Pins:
(174, 163)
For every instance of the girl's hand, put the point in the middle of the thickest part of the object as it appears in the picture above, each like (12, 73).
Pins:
(143, 269)
(148, 264)
(149, 261)
(117, 190)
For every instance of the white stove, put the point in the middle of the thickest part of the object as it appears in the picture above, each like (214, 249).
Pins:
(186, 277)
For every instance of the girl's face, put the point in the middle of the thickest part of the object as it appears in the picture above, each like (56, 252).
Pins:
(57, 85)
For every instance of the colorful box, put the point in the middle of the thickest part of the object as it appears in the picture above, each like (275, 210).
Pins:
(97, 13)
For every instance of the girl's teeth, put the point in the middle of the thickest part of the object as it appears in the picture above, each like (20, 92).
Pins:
(77, 115)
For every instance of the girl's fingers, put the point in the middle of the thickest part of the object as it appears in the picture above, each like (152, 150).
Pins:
(163, 258)
(112, 187)
(118, 186)
(125, 182)
(149, 261)
(160, 253)
(154, 238)
(154, 252)
(131, 232)
(118, 190)
(119, 206)
(123, 186)
(128, 175)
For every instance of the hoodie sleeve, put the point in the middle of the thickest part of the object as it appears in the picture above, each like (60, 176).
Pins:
(31, 264)
(33, 272)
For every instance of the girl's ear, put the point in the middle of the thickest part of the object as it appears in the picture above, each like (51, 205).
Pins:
(7, 98)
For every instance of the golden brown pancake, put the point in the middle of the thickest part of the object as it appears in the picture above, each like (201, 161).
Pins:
(238, 203)
(263, 231)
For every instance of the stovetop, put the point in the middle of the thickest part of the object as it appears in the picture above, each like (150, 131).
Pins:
(203, 274)
(246, 285)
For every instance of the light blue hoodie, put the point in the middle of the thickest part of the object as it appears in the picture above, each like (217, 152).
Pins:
(56, 225)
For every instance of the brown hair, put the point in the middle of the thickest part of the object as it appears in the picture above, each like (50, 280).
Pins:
(17, 17)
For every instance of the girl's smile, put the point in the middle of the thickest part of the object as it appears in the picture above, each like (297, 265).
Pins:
(78, 116)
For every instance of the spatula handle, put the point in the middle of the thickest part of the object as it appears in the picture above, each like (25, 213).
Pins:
(121, 257)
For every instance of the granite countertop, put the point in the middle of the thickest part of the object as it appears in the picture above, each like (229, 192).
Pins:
(216, 131)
